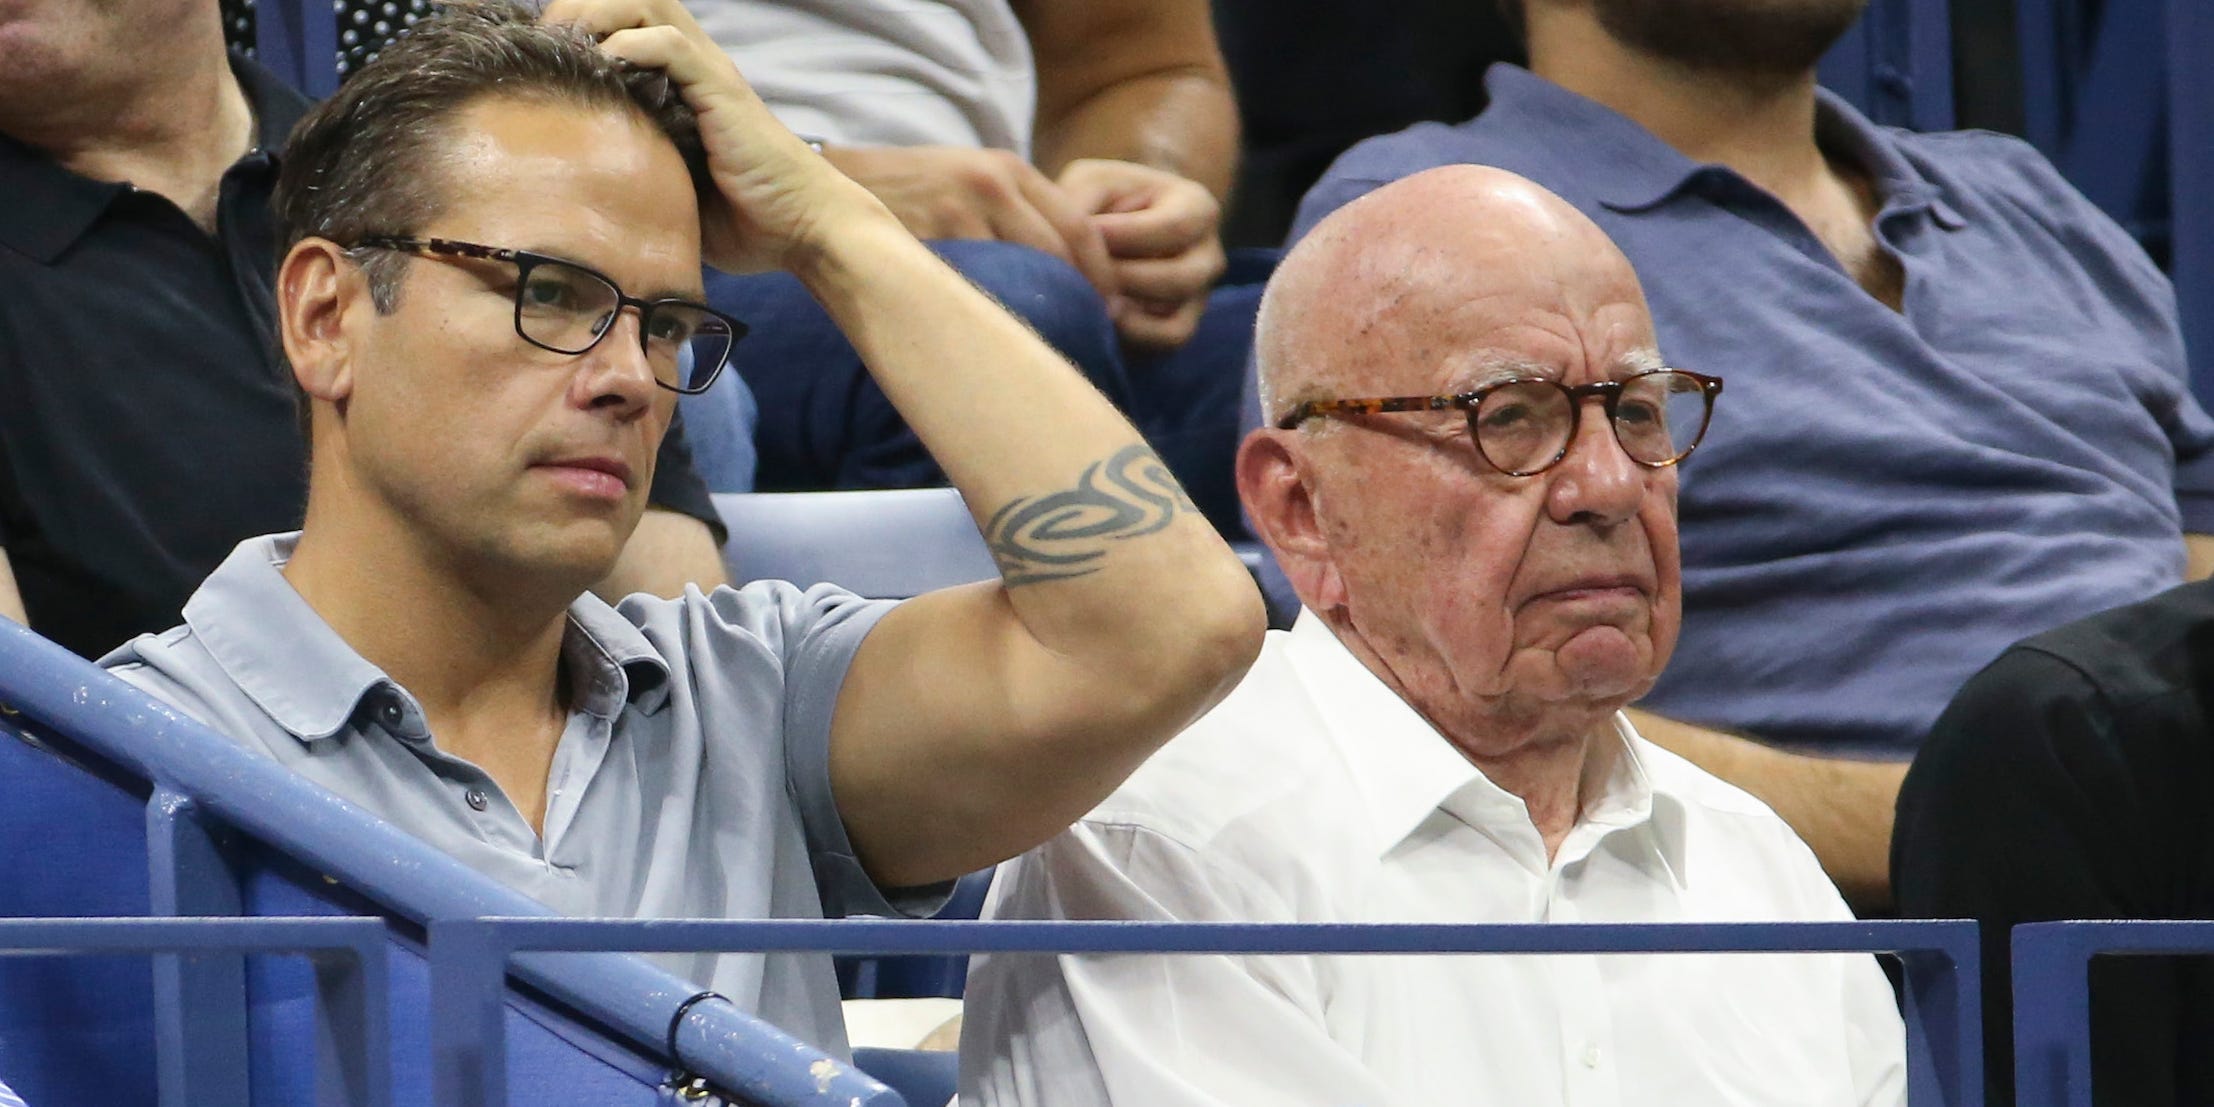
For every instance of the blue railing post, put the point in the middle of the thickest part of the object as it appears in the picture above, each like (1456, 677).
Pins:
(354, 1043)
(2052, 997)
(468, 965)
(200, 1023)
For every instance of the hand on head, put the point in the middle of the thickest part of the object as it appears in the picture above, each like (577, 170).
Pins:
(779, 198)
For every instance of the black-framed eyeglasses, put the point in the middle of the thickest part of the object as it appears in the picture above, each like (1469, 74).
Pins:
(567, 308)
(1524, 425)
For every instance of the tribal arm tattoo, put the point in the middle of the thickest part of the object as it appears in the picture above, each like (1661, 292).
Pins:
(1066, 534)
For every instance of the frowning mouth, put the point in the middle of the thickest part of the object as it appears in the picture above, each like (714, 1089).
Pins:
(1594, 588)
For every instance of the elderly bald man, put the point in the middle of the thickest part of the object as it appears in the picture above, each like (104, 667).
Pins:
(1472, 484)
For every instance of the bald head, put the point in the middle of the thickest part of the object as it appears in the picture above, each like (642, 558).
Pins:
(1373, 298)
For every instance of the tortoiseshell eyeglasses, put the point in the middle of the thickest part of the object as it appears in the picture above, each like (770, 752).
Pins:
(1523, 426)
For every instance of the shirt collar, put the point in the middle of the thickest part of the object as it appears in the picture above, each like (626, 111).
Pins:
(1641, 171)
(51, 207)
(1405, 770)
(293, 666)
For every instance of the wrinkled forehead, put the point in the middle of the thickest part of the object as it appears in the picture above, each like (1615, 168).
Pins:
(1446, 323)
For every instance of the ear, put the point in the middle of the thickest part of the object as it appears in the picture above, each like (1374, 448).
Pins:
(321, 298)
(1276, 484)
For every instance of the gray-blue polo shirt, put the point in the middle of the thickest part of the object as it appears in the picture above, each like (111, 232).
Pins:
(1886, 500)
(692, 781)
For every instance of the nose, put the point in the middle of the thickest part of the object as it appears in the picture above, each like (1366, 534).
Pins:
(614, 373)
(1596, 484)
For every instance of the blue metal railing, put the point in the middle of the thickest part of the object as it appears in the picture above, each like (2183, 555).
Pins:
(204, 787)
(353, 1057)
(2052, 997)
(1943, 1007)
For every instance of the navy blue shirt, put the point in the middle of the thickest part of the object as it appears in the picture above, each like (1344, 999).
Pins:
(1886, 500)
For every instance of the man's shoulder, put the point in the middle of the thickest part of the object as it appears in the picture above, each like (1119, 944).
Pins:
(175, 667)
(771, 618)
(1995, 175)
(1698, 790)
(1735, 846)
(1258, 765)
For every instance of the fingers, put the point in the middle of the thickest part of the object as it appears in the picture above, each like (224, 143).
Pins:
(1086, 249)
(1173, 280)
(1142, 212)
(1157, 327)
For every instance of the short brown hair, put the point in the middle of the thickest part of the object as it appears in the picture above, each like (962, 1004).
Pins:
(365, 161)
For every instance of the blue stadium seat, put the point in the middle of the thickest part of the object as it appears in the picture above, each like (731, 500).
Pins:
(888, 544)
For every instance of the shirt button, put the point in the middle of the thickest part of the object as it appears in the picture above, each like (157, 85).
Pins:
(1591, 1056)
(477, 799)
(390, 714)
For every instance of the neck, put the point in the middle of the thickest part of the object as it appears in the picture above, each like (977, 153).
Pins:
(466, 645)
(1760, 125)
(1550, 762)
(170, 123)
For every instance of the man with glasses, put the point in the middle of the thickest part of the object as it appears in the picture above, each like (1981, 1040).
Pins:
(1472, 484)
(490, 296)
(148, 424)
(1963, 410)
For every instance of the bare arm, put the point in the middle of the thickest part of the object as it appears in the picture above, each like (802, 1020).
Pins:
(1133, 80)
(668, 551)
(978, 721)
(11, 599)
(2198, 556)
(1842, 808)
(1137, 124)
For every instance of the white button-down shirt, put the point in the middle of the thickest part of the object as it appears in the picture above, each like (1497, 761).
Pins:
(1314, 794)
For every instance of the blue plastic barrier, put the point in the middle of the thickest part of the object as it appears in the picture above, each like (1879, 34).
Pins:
(202, 826)
(2052, 997)
(353, 1055)
(1942, 1004)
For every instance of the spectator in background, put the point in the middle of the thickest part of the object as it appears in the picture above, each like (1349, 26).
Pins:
(1079, 150)
(1959, 405)
(147, 423)
(2069, 780)
(1439, 739)
(462, 220)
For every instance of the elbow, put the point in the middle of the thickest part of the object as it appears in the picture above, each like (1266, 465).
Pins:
(1215, 638)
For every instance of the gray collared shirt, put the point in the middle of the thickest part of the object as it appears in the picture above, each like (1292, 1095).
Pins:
(692, 781)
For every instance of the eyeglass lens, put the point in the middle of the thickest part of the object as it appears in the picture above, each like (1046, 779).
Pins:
(1524, 426)
(567, 309)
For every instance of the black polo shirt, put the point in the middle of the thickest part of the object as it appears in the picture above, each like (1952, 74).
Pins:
(2074, 779)
(146, 424)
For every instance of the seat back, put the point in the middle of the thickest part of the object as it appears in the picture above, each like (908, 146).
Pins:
(885, 544)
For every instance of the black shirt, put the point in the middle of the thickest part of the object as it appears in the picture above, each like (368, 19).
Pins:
(2074, 778)
(146, 423)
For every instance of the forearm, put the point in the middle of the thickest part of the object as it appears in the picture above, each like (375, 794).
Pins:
(1014, 425)
(1842, 808)
(2198, 556)
(1182, 121)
